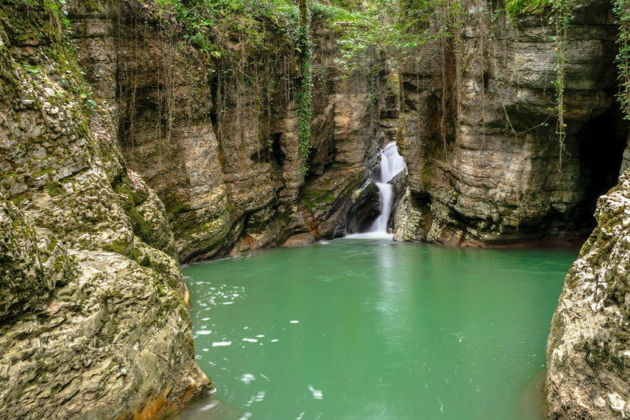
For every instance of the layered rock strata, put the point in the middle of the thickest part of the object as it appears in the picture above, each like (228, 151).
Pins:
(216, 138)
(478, 130)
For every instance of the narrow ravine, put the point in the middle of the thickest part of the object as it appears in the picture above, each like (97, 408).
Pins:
(249, 197)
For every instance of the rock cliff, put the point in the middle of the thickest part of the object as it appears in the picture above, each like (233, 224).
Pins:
(478, 129)
(93, 315)
(216, 138)
(126, 148)
(588, 373)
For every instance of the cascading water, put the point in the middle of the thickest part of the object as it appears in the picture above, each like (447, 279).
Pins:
(391, 165)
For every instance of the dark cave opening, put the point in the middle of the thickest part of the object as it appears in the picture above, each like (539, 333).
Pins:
(602, 142)
(276, 148)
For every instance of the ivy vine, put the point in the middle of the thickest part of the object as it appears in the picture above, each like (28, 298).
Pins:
(561, 17)
(621, 9)
(305, 91)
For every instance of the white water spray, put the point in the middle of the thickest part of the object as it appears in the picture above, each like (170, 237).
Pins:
(391, 165)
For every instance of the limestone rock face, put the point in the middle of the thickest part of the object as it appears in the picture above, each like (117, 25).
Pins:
(31, 265)
(588, 352)
(93, 314)
(128, 153)
(478, 131)
(218, 144)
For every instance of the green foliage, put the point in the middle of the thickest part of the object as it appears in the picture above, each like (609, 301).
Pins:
(305, 92)
(621, 9)
(209, 24)
(517, 8)
(331, 12)
(54, 8)
(392, 28)
(396, 27)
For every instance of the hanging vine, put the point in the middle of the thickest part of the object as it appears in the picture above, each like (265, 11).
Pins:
(561, 17)
(305, 91)
(621, 9)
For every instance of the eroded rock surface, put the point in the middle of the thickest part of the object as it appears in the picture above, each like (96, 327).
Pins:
(93, 315)
(588, 352)
(478, 130)
(217, 138)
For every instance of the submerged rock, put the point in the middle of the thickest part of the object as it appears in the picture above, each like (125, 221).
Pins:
(588, 350)
(301, 239)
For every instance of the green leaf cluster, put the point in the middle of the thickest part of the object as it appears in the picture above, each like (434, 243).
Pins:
(518, 8)
(621, 9)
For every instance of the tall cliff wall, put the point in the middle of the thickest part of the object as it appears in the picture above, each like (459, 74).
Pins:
(588, 373)
(93, 315)
(125, 149)
(478, 129)
(216, 137)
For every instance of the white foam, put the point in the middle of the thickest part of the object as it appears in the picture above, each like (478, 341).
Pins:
(318, 394)
(371, 235)
(391, 165)
(209, 406)
(260, 396)
(248, 378)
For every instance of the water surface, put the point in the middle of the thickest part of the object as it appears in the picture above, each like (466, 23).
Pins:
(373, 329)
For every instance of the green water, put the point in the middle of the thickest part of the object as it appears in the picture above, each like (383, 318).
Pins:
(369, 329)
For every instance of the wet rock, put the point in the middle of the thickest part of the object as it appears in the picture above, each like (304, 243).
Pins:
(301, 239)
(364, 208)
(226, 153)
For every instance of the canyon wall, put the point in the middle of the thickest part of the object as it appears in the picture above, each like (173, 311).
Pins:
(588, 373)
(93, 309)
(478, 130)
(216, 137)
(124, 150)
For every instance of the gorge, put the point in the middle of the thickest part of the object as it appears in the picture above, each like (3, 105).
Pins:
(139, 135)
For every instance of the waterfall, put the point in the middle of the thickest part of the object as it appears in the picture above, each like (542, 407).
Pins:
(391, 165)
